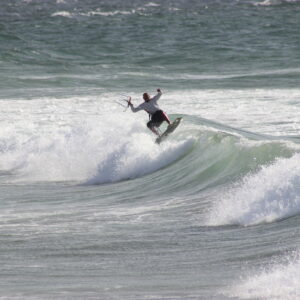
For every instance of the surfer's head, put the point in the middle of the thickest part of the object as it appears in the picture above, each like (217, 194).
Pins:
(146, 97)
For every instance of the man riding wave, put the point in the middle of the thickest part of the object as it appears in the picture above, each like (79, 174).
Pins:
(157, 116)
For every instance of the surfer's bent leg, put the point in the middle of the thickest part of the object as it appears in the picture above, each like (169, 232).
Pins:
(151, 126)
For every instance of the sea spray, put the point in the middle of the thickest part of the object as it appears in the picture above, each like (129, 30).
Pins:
(278, 281)
(270, 194)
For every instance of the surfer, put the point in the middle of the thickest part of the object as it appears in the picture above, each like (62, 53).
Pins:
(156, 115)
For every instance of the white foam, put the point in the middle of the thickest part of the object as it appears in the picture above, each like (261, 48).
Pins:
(280, 282)
(91, 13)
(152, 4)
(275, 2)
(127, 159)
(106, 14)
(65, 14)
(269, 2)
(82, 139)
(269, 195)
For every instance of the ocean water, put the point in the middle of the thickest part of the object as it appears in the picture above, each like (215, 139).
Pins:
(92, 208)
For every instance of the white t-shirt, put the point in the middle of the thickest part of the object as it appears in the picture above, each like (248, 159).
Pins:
(150, 107)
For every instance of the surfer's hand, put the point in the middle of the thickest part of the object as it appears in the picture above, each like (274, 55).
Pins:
(129, 101)
(158, 90)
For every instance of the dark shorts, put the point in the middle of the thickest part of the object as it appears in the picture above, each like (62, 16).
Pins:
(157, 118)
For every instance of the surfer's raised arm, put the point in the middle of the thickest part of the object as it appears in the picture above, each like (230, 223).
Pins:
(157, 96)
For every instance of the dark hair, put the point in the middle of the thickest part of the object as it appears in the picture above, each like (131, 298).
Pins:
(146, 96)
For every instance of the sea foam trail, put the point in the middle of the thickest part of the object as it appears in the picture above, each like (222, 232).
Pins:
(280, 282)
(269, 195)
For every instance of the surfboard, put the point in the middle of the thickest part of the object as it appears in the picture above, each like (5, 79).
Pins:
(169, 130)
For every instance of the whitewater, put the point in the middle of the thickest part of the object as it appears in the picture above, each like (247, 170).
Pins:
(92, 208)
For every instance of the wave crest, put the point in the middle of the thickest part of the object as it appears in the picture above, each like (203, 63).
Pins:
(271, 194)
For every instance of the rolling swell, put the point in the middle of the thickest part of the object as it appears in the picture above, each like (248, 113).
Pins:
(200, 154)
(258, 177)
(227, 177)
(251, 178)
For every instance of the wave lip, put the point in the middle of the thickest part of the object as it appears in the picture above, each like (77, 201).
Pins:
(136, 159)
(267, 196)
